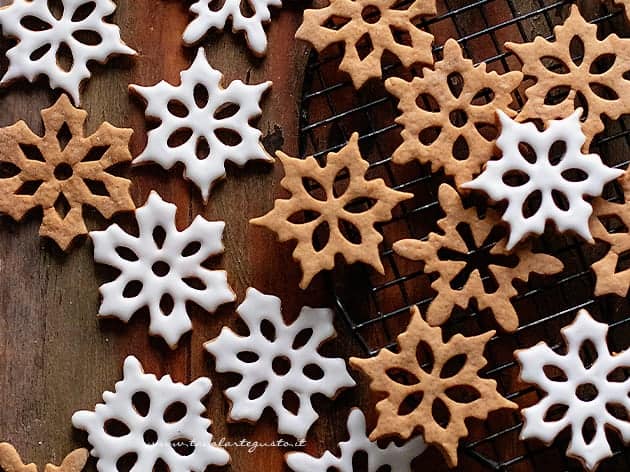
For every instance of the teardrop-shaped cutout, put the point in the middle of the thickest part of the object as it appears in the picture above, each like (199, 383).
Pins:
(175, 412)
(424, 357)
(302, 338)
(557, 152)
(83, 11)
(291, 402)
(560, 199)
(453, 366)
(410, 403)
(427, 102)
(461, 151)
(557, 95)
(167, 304)
(257, 390)
(527, 152)
(321, 236)
(440, 413)
(141, 403)
(576, 49)
(177, 108)
(116, 428)
(179, 137)
(268, 330)
(201, 96)
(532, 204)
(429, 135)
(455, 83)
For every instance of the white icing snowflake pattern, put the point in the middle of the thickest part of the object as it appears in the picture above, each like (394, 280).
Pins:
(161, 268)
(215, 13)
(202, 124)
(398, 458)
(80, 31)
(544, 177)
(587, 391)
(153, 419)
(279, 364)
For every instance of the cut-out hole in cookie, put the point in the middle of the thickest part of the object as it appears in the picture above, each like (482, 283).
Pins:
(191, 249)
(487, 131)
(56, 8)
(350, 231)
(341, 182)
(427, 102)
(40, 52)
(557, 152)
(150, 437)
(268, 330)
(126, 254)
(557, 95)
(64, 136)
(83, 11)
(462, 393)
(588, 430)
(532, 203)
(62, 206)
(588, 353)
(257, 390)
(126, 462)
(302, 338)
(63, 171)
(461, 151)
(159, 236)
(161, 268)
(179, 137)
(281, 365)
(620, 374)
(359, 205)
(623, 262)
(249, 357)
(116, 428)
(32, 152)
(314, 189)
(576, 49)
(313, 372)
(183, 446)
(554, 64)
(29, 188)
(458, 118)
(132, 289)
(574, 175)
(424, 357)
(88, 37)
(195, 283)
(455, 83)
(555, 374)
(556, 412)
(291, 402)
(401, 376)
(177, 108)
(141, 402)
(604, 91)
(65, 59)
(175, 412)
(8, 170)
(360, 460)
(201, 95)
(97, 187)
(34, 23)
(228, 136)
(560, 200)
(602, 64)
(453, 366)
(167, 304)
(410, 403)
(202, 149)
(321, 236)
(364, 46)
(95, 154)
(429, 135)
(484, 96)
(618, 411)
(440, 413)
(527, 152)
(371, 14)
(226, 110)
(515, 178)
(586, 392)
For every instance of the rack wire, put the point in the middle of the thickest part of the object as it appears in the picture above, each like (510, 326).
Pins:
(376, 308)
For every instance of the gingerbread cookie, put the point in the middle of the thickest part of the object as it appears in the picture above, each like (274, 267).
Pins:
(380, 24)
(594, 78)
(155, 420)
(202, 125)
(210, 14)
(449, 114)
(63, 170)
(544, 177)
(44, 34)
(10, 461)
(392, 457)
(610, 223)
(593, 395)
(162, 268)
(414, 393)
(454, 256)
(279, 363)
(332, 210)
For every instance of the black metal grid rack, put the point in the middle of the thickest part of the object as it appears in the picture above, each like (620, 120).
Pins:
(376, 307)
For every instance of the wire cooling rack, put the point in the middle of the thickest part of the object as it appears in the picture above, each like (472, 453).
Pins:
(376, 307)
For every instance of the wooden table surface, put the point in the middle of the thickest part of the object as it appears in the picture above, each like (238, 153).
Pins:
(56, 357)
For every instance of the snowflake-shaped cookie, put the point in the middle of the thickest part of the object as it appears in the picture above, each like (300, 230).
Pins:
(577, 69)
(153, 419)
(437, 397)
(610, 223)
(63, 170)
(458, 132)
(592, 393)
(397, 458)
(332, 208)
(366, 26)
(45, 35)
(280, 365)
(162, 268)
(544, 177)
(202, 125)
(472, 263)
(247, 16)
(10, 461)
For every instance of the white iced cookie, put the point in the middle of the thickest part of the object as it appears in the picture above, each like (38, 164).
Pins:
(397, 458)
(41, 37)
(202, 125)
(547, 167)
(161, 268)
(586, 392)
(154, 419)
(279, 363)
(214, 14)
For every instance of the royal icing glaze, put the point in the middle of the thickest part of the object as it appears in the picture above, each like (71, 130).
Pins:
(124, 424)
(208, 17)
(530, 168)
(586, 389)
(213, 121)
(397, 458)
(80, 30)
(166, 266)
(279, 363)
